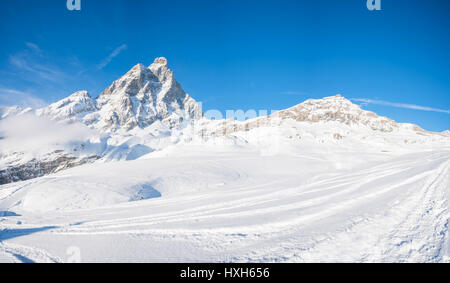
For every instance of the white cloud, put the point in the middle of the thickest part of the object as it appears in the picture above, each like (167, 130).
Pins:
(31, 133)
(400, 105)
(111, 56)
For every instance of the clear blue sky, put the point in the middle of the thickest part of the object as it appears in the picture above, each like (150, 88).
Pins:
(237, 54)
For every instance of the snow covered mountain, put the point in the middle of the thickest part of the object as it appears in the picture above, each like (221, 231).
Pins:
(334, 109)
(73, 108)
(147, 110)
(332, 120)
(137, 99)
(6, 112)
(140, 98)
(139, 175)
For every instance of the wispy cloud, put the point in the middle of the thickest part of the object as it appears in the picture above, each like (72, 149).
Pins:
(400, 105)
(33, 74)
(111, 56)
(24, 62)
(34, 47)
(20, 98)
(32, 62)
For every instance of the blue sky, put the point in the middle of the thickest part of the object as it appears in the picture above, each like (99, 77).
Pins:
(237, 54)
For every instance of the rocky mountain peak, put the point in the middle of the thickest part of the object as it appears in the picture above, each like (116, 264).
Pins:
(336, 109)
(137, 69)
(161, 61)
(160, 68)
(74, 106)
(130, 84)
(140, 97)
(144, 95)
(336, 103)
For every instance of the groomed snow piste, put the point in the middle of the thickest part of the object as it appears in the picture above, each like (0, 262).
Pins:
(234, 204)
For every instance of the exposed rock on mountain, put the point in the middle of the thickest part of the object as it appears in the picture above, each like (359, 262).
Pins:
(339, 109)
(35, 168)
(137, 99)
(329, 109)
(143, 96)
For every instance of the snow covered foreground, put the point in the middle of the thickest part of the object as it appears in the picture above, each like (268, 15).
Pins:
(227, 204)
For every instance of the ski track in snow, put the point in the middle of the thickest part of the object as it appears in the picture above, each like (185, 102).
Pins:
(23, 254)
(390, 211)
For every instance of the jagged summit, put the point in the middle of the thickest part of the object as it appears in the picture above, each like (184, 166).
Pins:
(143, 96)
(161, 61)
(160, 68)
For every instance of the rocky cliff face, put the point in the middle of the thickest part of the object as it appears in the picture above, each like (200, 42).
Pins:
(35, 168)
(143, 96)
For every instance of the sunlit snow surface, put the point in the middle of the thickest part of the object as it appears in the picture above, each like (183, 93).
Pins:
(210, 203)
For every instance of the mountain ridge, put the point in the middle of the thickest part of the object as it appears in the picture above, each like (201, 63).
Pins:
(147, 110)
(144, 95)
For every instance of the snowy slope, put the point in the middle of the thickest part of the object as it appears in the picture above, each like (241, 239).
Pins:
(232, 204)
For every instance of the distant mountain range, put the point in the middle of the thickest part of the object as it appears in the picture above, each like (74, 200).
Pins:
(147, 110)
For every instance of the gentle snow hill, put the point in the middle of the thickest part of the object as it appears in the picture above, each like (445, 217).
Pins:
(204, 203)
